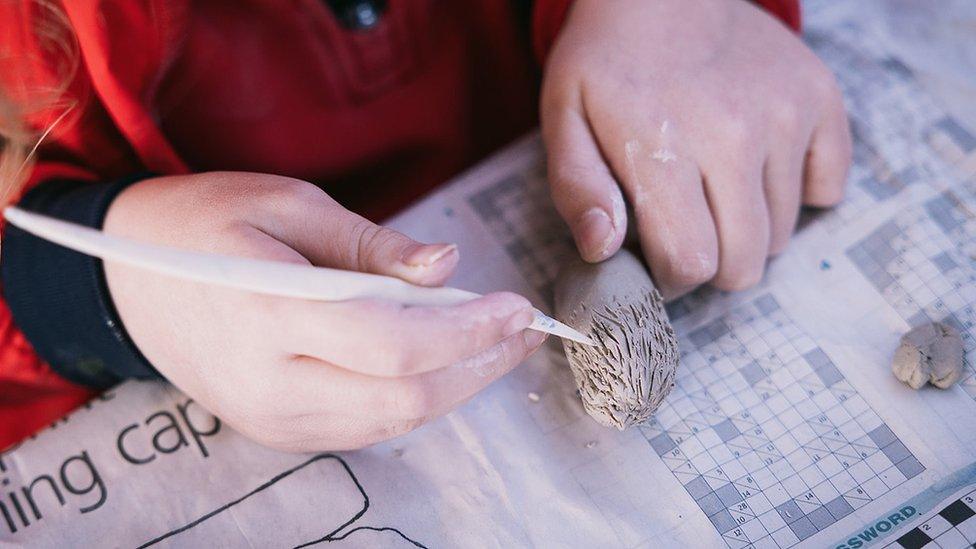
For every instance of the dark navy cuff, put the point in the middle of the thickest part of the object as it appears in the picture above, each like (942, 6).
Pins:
(59, 298)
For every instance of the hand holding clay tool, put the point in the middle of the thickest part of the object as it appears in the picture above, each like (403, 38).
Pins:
(626, 375)
(254, 275)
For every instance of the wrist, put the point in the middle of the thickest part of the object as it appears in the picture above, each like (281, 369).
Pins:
(59, 298)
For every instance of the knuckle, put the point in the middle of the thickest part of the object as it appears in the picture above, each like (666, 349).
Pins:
(286, 194)
(690, 268)
(737, 131)
(480, 331)
(370, 239)
(267, 196)
(485, 323)
(740, 279)
(785, 114)
(289, 191)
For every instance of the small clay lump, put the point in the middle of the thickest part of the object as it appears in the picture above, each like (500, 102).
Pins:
(930, 353)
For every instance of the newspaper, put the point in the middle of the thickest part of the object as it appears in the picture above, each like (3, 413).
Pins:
(785, 428)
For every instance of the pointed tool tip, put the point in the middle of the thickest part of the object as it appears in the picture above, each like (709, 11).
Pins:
(586, 340)
(550, 325)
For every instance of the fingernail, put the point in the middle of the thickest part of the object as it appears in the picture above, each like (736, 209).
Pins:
(594, 233)
(533, 339)
(519, 321)
(425, 255)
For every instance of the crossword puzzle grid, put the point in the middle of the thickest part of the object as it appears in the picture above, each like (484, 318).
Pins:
(953, 527)
(680, 308)
(923, 262)
(519, 213)
(900, 136)
(766, 434)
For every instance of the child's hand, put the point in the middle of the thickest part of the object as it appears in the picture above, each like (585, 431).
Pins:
(714, 119)
(296, 374)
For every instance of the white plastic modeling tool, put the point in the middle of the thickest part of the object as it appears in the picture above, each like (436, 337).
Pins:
(255, 275)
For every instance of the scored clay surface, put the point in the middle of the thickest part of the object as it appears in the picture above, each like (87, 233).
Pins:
(625, 377)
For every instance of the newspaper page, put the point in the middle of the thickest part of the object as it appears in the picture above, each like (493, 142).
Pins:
(786, 426)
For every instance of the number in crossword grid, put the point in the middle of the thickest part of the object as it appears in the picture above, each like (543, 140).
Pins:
(923, 262)
(952, 527)
(767, 435)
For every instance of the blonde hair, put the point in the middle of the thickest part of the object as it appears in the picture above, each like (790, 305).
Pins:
(38, 64)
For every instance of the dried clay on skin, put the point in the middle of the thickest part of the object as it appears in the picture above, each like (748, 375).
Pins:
(625, 377)
(930, 353)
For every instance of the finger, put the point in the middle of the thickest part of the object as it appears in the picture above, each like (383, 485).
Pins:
(677, 233)
(380, 338)
(330, 432)
(829, 157)
(738, 205)
(357, 433)
(332, 236)
(583, 188)
(782, 184)
(313, 383)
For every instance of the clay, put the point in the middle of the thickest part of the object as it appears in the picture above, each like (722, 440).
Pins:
(930, 353)
(624, 378)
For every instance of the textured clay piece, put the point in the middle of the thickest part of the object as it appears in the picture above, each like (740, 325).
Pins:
(929, 353)
(625, 377)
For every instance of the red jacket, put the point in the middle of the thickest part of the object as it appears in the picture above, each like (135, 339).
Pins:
(171, 86)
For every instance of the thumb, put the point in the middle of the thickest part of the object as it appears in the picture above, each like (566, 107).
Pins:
(376, 249)
(583, 188)
(332, 236)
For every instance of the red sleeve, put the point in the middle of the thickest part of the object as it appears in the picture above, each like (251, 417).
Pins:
(548, 17)
(109, 133)
(788, 11)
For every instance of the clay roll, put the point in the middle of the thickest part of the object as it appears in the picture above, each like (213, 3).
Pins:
(625, 377)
